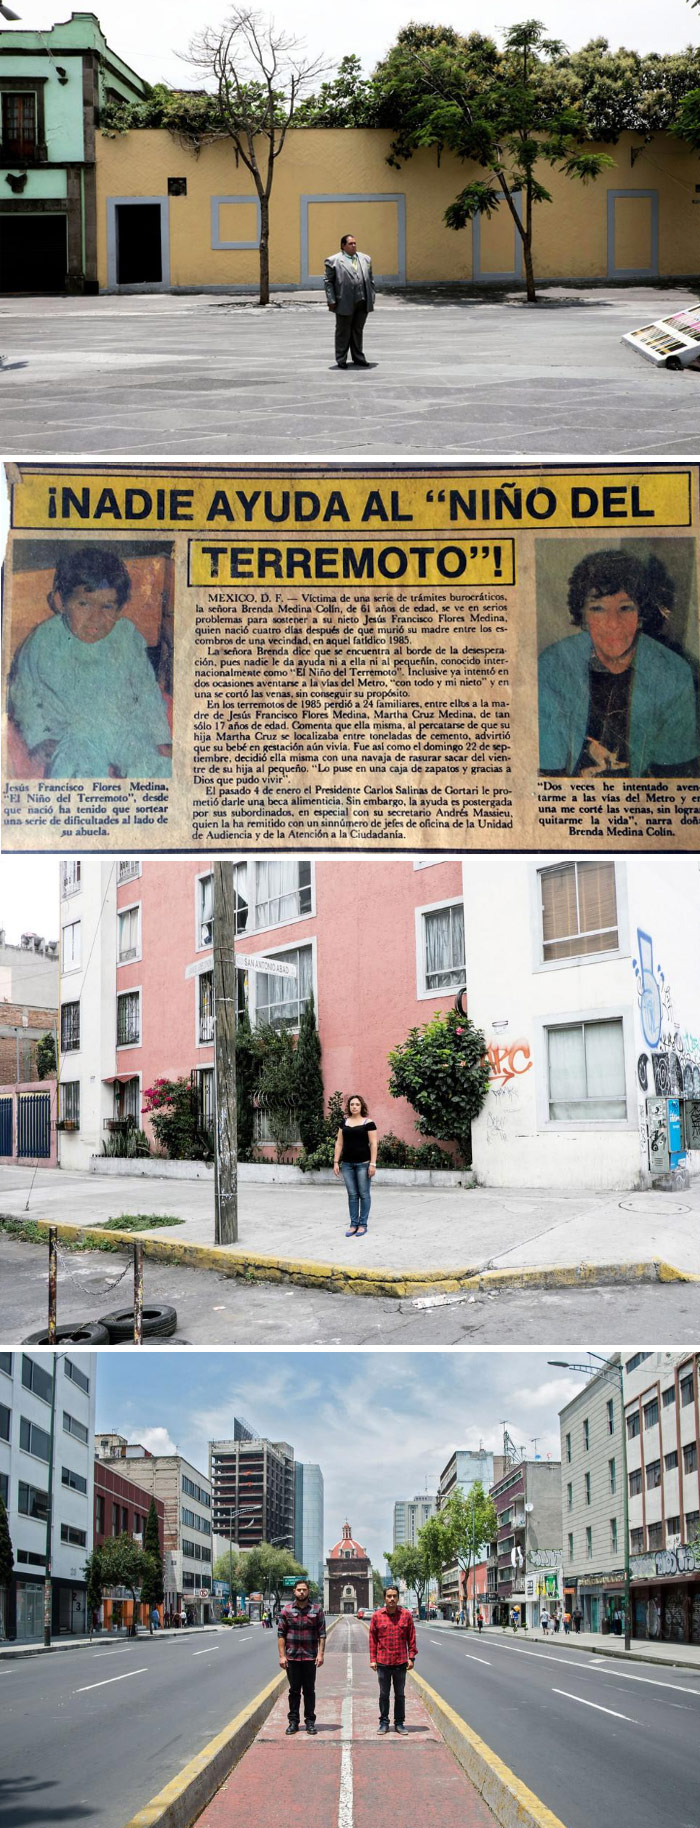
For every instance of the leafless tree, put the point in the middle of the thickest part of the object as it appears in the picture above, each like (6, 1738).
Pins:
(261, 75)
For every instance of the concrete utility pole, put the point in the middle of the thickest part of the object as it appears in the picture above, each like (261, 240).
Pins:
(226, 1157)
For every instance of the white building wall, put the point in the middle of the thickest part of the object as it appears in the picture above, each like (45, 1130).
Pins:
(73, 1509)
(678, 1494)
(93, 983)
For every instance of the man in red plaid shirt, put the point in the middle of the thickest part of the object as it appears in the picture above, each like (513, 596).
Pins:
(392, 1651)
(301, 1641)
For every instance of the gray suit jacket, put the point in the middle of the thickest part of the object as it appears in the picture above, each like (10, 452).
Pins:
(340, 290)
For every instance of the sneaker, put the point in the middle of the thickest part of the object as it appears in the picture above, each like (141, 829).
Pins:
(310, 1726)
(383, 1726)
(399, 1727)
(292, 1728)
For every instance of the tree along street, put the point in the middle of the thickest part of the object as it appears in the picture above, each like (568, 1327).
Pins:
(118, 1721)
(596, 1742)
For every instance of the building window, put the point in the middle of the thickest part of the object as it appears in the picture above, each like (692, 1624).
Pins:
(611, 1416)
(639, 1358)
(655, 1536)
(669, 1396)
(4, 1422)
(74, 1481)
(690, 1457)
(637, 1541)
(115, 1519)
(32, 1503)
(569, 1497)
(129, 1018)
(633, 1426)
(128, 935)
(34, 1440)
(692, 1525)
(671, 1460)
(70, 1027)
(444, 965)
(613, 1534)
(70, 1102)
(207, 1106)
(673, 1526)
(653, 1475)
(36, 1379)
(30, 1560)
(568, 1448)
(282, 892)
(71, 946)
(586, 1072)
(262, 1132)
(589, 1542)
(571, 1546)
(78, 1429)
(240, 897)
(70, 878)
(612, 1469)
(579, 910)
(100, 1513)
(5, 1490)
(687, 1392)
(635, 1482)
(76, 1375)
(651, 1414)
(205, 916)
(281, 1000)
(6, 1363)
(205, 1017)
(587, 1485)
(127, 870)
(586, 1434)
(70, 1534)
(19, 124)
(127, 1101)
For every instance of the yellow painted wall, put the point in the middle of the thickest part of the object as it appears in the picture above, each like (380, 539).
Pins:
(570, 233)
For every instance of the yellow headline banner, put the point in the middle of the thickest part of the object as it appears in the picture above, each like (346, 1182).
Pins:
(300, 502)
(351, 562)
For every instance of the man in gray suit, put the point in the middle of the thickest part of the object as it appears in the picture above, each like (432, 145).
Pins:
(350, 294)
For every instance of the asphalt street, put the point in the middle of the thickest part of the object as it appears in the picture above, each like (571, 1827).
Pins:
(118, 1721)
(215, 1310)
(595, 1742)
(203, 375)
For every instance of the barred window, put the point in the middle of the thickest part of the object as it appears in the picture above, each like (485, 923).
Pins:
(127, 869)
(205, 1023)
(128, 1018)
(70, 1027)
(70, 878)
(19, 137)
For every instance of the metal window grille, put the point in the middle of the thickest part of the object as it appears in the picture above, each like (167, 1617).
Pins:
(127, 869)
(70, 878)
(205, 1028)
(128, 1018)
(70, 1027)
(19, 125)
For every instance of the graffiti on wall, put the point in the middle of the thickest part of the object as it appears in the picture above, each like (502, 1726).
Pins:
(509, 1062)
(669, 1063)
(507, 1065)
(662, 1563)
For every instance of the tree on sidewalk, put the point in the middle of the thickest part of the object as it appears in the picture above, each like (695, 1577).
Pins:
(95, 1586)
(470, 1523)
(6, 1567)
(409, 1563)
(152, 1584)
(508, 111)
(442, 1071)
(122, 1563)
(261, 74)
(309, 1079)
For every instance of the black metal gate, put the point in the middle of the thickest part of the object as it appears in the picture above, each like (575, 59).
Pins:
(5, 1126)
(34, 1125)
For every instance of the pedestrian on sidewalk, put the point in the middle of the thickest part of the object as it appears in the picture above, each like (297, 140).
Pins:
(567, 1623)
(392, 1652)
(480, 1621)
(544, 1621)
(301, 1641)
(356, 1159)
(577, 1616)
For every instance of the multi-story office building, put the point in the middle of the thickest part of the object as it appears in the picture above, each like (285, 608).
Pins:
(187, 1529)
(662, 1419)
(410, 1514)
(252, 1487)
(466, 1467)
(593, 1496)
(528, 1553)
(308, 1520)
(47, 1411)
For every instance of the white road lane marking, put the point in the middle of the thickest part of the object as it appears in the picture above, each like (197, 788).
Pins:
(652, 1681)
(596, 1705)
(346, 1810)
(128, 1673)
(597, 1663)
(472, 1659)
(207, 1652)
(110, 1653)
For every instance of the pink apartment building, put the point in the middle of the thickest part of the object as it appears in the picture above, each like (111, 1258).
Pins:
(381, 947)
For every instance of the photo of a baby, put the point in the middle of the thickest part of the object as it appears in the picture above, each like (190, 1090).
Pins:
(84, 698)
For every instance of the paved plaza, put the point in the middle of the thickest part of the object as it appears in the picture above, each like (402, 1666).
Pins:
(205, 375)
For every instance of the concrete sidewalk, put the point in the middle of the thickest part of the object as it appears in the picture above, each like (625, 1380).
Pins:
(435, 1240)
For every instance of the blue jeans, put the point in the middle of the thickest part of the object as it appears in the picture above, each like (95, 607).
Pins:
(356, 1178)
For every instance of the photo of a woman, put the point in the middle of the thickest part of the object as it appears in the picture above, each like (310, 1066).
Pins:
(616, 698)
(356, 1159)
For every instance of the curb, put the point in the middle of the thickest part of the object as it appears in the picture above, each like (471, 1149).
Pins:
(513, 1805)
(344, 1279)
(181, 1802)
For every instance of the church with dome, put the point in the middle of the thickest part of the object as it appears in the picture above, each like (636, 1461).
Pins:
(347, 1585)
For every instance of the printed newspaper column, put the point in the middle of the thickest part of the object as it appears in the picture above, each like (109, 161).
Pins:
(403, 658)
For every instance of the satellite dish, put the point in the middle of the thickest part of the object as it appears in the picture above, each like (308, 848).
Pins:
(529, 1508)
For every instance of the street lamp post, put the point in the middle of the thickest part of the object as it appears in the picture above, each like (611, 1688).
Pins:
(613, 1374)
(48, 1584)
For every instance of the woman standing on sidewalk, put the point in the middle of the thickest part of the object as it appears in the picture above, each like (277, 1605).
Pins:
(356, 1159)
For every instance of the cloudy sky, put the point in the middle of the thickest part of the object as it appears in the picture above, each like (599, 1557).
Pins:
(148, 37)
(29, 897)
(381, 1425)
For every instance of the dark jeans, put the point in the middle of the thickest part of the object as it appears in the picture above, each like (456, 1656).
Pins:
(389, 1673)
(348, 334)
(357, 1184)
(302, 1680)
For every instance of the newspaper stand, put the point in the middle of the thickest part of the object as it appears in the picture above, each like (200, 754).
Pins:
(670, 342)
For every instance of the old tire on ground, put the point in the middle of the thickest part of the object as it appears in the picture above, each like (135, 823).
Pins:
(82, 1332)
(673, 362)
(158, 1323)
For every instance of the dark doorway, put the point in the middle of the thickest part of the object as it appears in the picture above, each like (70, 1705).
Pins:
(139, 252)
(33, 253)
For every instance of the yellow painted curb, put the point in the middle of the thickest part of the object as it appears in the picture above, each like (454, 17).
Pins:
(512, 1803)
(345, 1279)
(182, 1800)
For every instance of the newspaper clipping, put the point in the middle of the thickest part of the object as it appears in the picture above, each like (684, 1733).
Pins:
(339, 658)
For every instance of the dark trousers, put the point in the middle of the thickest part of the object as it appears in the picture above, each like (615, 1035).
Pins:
(392, 1673)
(302, 1680)
(348, 334)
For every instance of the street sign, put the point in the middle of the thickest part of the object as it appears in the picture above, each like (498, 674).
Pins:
(220, 1589)
(273, 967)
(290, 1580)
